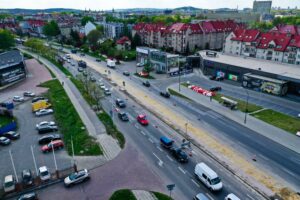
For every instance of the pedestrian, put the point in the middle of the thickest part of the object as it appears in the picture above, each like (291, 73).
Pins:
(62, 83)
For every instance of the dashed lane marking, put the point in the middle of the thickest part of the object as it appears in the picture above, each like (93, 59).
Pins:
(195, 182)
(151, 140)
(142, 132)
(159, 148)
(209, 196)
(170, 158)
(182, 170)
(136, 126)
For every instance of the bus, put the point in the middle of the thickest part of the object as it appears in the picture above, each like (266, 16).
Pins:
(265, 84)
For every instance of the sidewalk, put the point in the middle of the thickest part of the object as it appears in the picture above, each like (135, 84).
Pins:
(143, 195)
(276, 134)
(93, 125)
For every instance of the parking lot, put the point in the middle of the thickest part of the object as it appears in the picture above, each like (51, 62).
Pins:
(21, 148)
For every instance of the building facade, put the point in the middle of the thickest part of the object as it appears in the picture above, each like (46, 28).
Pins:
(262, 7)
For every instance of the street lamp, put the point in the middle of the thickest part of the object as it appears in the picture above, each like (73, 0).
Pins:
(246, 109)
(186, 125)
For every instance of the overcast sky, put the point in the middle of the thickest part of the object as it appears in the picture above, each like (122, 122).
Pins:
(109, 4)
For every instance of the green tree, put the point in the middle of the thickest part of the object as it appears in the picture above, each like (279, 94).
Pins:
(93, 37)
(6, 39)
(86, 19)
(136, 41)
(126, 31)
(51, 29)
(19, 18)
(100, 28)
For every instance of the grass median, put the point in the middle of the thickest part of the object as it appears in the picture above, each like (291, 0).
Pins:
(123, 194)
(161, 196)
(173, 92)
(280, 120)
(69, 121)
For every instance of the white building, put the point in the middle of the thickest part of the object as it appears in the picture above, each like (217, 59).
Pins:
(89, 27)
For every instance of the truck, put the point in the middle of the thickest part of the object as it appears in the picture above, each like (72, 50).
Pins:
(42, 104)
(111, 63)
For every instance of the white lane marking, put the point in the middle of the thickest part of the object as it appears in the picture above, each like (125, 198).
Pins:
(160, 162)
(151, 140)
(182, 170)
(136, 126)
(195, 182)
(142, 132)
(250, 197)
(267, 159)
(193, 152)
(288, 171)
(170, 158)
(209, 196)
(159, 148)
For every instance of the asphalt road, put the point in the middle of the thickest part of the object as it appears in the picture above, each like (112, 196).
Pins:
(146, 140)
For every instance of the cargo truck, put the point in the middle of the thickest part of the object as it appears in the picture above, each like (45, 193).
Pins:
(40, 105)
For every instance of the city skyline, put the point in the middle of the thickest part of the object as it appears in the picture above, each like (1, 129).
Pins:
(117, 4)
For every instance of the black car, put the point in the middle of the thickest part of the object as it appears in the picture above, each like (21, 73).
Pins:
(4, 141)
(120, 103)
(12, 135)
(36, 99)
(165, 94)
(82, 54)
(48, 138)
(82, 64)
(73, 51)
(47, 129)
(180, 155)
(215, 89)
(27, 178)
(126, 73)
(28, 196)
(93, 79)
(219, 78)
(123, 116)
(213, 77)
(146, 83)
(98, 60)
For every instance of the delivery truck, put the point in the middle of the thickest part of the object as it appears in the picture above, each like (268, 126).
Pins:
(42, 104)
(111, 63)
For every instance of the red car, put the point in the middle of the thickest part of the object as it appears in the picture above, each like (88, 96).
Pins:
(142, 120)
(57, 144)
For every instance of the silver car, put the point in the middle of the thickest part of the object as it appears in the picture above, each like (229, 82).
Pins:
(76, 177)
(44, 124)
(43, 112)
(18, 99)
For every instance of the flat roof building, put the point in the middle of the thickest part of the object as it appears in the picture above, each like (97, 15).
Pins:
(262, 7)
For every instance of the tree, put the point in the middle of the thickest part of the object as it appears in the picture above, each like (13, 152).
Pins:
(6, 39)
(93, 37)
(126, 32)
(86, 19)
(100, 28)
(136, 41)
(51, 29)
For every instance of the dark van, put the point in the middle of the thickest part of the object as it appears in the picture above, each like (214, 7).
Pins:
(166, 142)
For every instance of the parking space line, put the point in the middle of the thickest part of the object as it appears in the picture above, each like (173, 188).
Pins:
(159, 148)
(209, 196)
(136, 126)
(142, 132)
(151, 140)
(182, 170)
(170, 158)
(195, 182)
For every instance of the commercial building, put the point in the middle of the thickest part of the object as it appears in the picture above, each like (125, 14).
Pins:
(114, 30)
(261, 75)
(262, 7)
(12, 67)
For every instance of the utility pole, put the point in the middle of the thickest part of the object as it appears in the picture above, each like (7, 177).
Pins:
(13, 165)
(34, 161)
(74, 162)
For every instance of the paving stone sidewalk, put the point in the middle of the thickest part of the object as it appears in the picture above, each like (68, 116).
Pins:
(143, 195)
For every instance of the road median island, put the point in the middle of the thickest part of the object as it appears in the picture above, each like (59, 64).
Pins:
(122, 195)
(69, 122)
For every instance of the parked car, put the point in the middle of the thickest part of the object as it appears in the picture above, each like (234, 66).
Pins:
(80, 69)
(47, 129)
(27, 178)
(93, 79)
(82, 64)
(215, 89)
(55, 145)
(84, 73)
(201, 196)
(142, 120)
(4, 141)
(82, 54)
(73, 51)
(165, 94)
(45, 123)
(73, 64)
(219, 78)
(179, 154)
(44, 173)
(77, 177)
(139, 64)
(231, 197)
(126, 73)
(98, 60)
(28, 94)
(12, 135)
(48, 138)
(43, 112)
(36, 99)
(29, 196)
(102, 86)
(18, 99)
(146, 83)
(123, 116)
(107, 91)
(120, 103)
(9, 183)
(213, 77)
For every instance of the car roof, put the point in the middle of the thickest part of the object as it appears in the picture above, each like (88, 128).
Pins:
(201, 196)
(232, 196)
(43, 169)
(212, 174)
(3, 138)
(8, 178)
(141, 115)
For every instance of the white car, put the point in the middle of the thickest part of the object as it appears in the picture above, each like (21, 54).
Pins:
(102, 87)
(107, 91)
(44, 124)
(77, 177)
(69, 61)
(44, 173)
(231, 197)
(9, 183)
(73, 64)
(43, 112)
(28, 94)
(18, 99)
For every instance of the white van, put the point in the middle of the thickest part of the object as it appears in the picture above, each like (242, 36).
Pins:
(207, 176)
(9, 183)
(111, 63)
(231, 197)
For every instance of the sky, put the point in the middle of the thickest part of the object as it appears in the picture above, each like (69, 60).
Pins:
(116, 4)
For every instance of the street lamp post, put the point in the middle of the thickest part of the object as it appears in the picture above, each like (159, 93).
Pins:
(246, 109)
(55, 164)
(186, 125)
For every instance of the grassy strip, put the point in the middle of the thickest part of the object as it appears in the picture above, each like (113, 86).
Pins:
(285, 122)
(241, 104)
(4, 120)
(173, 92)
(58, 65)
(161, 196)
(69, 121)
(96, 55)
(145, 77)
(111, 129)
(28, 56)
(123, 194)
(50, 71)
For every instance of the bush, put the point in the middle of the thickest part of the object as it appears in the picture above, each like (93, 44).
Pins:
(123, 194)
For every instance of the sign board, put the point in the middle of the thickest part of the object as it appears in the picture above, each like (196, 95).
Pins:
(185, 71)
(171, 187)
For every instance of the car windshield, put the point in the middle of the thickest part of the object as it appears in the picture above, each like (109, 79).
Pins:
(215, 181)
(44, 173)
(9, 184)
(73, 176)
